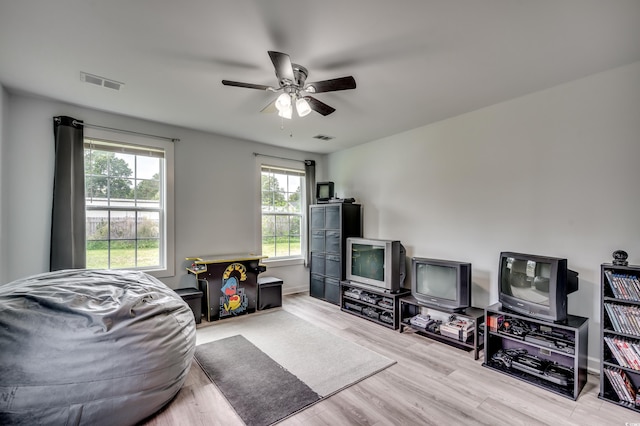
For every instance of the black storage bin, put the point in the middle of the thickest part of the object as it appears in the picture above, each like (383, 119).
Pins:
(269, 292)
(332, 290)
(193, 297)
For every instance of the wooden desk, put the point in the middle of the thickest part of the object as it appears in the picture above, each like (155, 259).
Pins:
(229, 283)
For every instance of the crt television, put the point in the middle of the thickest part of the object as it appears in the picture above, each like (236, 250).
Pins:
(379, 264)
(441, 284)
(324, 191)
(536, 286)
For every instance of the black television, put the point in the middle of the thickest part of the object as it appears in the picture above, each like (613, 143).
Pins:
(380, 264)
(441, 284)
(536, 286)
(324, 191)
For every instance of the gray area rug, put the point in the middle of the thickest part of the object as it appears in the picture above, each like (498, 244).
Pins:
(301, 354)
(257, 387)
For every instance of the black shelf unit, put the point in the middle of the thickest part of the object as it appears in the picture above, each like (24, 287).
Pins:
(620, 322)
(410, 307)
(330, 226)
(508, 331)
(369, 304)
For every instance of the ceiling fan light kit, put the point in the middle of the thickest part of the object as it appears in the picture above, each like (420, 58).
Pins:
(286, 112)
(283, 101)
(291, 80)
(302, 106)
(284, 105)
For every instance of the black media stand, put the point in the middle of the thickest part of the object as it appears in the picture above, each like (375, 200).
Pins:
(471, 340)
(549, 355)
(375, 305)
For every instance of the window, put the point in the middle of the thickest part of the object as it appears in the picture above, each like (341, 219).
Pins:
(282, 212)
(128, 205)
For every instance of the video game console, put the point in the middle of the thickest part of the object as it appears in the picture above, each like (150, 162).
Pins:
(370, 298)
(551, 340)
(386, 302)
(519, 359)
(371, 313)
(386, 317)
(353, 293)
(421, 321)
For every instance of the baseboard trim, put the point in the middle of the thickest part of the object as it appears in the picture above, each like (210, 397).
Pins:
(294, 290)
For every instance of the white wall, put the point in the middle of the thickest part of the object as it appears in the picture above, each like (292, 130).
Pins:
(4, 112)
(555, 173)
(216, 201)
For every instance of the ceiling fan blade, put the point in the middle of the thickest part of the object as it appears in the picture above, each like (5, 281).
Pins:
(282, 64)
(271, 107)
(247, 85)
(343, 83)
(318, 106)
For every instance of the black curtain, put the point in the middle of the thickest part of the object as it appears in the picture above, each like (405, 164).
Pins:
(68, 213)
(310, 197)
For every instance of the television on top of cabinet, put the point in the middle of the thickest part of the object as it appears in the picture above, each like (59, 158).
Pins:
(441, 284)
(324, 191)
(379, 264)
(536, 286)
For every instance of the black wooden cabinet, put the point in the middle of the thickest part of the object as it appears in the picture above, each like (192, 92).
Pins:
(331, 225)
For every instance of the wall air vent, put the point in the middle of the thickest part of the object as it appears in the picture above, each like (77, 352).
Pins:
(324, 137)
(100, 81)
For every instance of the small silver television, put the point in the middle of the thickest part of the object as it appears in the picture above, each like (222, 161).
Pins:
(379, 264)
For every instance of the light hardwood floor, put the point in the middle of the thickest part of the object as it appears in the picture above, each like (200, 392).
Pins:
(431, 384)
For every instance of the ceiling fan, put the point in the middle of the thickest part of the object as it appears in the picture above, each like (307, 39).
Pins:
(295, 90)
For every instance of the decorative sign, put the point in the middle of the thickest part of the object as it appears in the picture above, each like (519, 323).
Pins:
(233, 300)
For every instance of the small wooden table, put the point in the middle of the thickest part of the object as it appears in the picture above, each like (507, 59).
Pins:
(229, 283)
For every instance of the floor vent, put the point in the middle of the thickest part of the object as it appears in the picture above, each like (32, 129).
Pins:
(100, 81)
(324, 137)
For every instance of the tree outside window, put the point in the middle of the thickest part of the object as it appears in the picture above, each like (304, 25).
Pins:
(281, 212)
(124, 206)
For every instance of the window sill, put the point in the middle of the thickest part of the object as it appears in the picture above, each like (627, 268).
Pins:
(159, 273)
(276, 263)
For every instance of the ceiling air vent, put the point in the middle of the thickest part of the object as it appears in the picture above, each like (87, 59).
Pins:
(100, 81)
(324, 137)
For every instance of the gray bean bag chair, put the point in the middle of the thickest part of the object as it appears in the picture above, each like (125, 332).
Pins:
(91, 347)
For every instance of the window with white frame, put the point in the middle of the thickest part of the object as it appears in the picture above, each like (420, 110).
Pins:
(283, 212)
(129, 198)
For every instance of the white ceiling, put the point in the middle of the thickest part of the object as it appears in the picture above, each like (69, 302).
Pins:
(415, 61)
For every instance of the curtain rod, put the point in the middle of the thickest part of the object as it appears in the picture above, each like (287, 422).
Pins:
(257, 154)
(95, 126)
